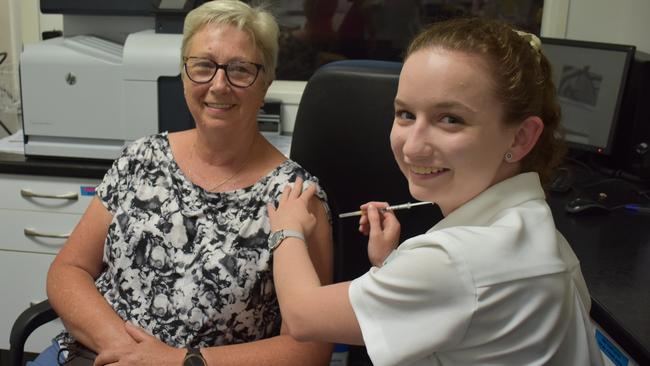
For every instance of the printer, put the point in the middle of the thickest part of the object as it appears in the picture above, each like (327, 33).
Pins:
(85, 97)
(111, 78)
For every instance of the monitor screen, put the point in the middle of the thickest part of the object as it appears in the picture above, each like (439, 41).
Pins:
(590, 79)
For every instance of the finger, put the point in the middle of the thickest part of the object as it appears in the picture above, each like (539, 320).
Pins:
(137, 333)
(374, 219)
(270, 208)
(285, 194)
(296, 191)
(377, 204)
(363, 220)
(364, 229)
(105, 358)
(308, 193)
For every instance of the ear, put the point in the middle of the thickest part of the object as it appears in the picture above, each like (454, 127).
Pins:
(526, 137)
(266, 89)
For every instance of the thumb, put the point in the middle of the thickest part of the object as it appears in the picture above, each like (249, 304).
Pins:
(137, 333)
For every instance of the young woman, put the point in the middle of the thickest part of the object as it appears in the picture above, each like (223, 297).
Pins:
(475, 132)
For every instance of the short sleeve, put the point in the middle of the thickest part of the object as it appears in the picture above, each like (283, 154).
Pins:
(113, 188)
(294, 170)
(420, 302)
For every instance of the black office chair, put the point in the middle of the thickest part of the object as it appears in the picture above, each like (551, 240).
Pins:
(25, 324)
(342, 136)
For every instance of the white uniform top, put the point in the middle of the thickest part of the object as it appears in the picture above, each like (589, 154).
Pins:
(493, 283)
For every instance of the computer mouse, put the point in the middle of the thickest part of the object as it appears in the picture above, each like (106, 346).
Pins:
(582, 205)
(562, 181)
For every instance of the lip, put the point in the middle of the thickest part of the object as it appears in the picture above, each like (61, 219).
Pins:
(421, 173)
(219, 106)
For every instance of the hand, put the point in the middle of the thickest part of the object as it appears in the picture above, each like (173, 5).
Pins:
(148, 350)
(293, 212)
(364, 224)
(384, 230)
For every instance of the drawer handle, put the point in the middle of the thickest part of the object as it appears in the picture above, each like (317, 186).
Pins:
(65, 196)
(32, 232)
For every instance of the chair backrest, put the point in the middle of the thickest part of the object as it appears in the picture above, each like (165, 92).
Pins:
(342, 136)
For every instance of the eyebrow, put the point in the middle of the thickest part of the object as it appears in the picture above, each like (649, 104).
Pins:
(235, 59)
(441, 105)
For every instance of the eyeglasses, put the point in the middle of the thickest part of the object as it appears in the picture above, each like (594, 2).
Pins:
(241, 74)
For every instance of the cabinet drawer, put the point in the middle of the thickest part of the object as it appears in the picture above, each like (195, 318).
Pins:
(33, 231)
(22, 282)
(37, 193)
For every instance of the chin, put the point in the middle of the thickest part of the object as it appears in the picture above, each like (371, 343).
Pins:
(421, 194)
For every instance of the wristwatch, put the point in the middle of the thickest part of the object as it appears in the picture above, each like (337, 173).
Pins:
(193, 357)
(276, 238)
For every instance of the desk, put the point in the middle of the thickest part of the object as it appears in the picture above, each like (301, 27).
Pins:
(614, 252)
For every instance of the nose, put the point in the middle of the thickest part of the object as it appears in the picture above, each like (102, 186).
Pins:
(417, 143)
(220, 81)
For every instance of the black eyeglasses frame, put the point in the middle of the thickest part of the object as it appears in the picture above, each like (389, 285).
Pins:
(219, 66)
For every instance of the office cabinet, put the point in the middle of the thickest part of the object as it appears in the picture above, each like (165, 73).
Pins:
(37, 213)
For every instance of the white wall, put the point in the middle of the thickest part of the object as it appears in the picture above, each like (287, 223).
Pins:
(10, 43)
(623, 21)
(21, 22)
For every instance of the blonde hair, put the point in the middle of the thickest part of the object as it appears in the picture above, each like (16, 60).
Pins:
(256, 21)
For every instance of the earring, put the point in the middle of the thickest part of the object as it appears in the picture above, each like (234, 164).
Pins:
(508, 156)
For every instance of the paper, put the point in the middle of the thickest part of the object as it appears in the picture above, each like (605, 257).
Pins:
(13, 144)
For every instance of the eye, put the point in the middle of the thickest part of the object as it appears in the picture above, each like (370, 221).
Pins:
(242, 68)
(449, 119)
(204, 64)
(404, 115)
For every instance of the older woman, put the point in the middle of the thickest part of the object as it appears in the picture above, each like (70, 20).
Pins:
(170, 263)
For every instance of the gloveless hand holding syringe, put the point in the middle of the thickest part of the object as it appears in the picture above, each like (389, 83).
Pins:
(402, 206)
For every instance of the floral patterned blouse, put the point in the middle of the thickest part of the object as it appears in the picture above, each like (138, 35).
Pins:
(190, 266)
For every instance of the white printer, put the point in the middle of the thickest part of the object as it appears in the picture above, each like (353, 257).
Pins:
(85, 96)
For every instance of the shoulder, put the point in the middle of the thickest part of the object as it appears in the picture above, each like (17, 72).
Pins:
(289, 170)
(143, 145)
(520, 242)
(146, 150)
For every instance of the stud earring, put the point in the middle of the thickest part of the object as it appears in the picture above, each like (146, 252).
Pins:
(508, 156)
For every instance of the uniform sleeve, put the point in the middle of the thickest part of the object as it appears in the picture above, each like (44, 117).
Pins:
(420, 302)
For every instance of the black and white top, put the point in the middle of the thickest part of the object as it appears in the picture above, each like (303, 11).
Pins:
(190, 266)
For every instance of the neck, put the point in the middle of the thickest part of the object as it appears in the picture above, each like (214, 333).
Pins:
(223, 149)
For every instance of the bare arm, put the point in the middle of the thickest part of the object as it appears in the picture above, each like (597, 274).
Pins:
(310, 310)
(71, 284)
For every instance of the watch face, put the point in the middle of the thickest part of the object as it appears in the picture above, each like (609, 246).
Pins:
(275, 239)
(193, 359)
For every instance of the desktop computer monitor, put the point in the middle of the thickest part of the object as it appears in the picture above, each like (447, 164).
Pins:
(590, 78)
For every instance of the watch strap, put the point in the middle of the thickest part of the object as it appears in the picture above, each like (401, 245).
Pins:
(293, 234)
(193, 357)
(279, 236)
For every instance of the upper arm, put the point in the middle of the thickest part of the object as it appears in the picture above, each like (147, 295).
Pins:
(320, 241)
(85, 246)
